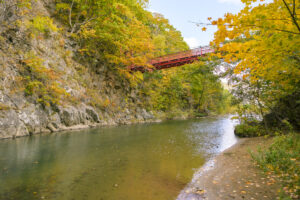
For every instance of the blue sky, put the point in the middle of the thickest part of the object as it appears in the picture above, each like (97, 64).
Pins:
(181, 12)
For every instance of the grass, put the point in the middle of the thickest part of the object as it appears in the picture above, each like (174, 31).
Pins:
(283, 159)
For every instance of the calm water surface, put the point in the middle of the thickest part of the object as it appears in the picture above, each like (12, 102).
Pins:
(136, 162)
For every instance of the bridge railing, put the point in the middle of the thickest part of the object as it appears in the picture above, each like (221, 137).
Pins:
(184, 54)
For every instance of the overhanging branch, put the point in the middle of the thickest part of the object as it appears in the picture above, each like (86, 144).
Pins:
(292, 13)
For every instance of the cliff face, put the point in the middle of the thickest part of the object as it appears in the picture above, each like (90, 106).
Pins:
(44, 88)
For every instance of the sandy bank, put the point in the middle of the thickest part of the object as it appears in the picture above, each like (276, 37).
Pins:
(234, 176)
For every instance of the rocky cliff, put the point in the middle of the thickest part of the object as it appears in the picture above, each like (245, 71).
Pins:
(44, 87)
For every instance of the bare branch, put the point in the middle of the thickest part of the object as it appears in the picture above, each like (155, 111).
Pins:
(292, 15)
(75, 25)
(247, 25)
(70, 14)
(294, 8)
(86, 21)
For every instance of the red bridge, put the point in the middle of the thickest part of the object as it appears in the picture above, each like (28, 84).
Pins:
(177, 59)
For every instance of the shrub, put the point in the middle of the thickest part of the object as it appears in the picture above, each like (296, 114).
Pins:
(249, 130)
(42, 25)
(41, 82)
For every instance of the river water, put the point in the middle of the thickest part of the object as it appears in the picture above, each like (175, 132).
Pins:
(136, 162)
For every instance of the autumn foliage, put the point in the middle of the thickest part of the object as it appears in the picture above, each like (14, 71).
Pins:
(120, 33)
(262, 42)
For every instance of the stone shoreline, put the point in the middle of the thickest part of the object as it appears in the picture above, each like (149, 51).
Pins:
(54, 128)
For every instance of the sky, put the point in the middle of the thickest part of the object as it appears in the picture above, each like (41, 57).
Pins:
(181, 14)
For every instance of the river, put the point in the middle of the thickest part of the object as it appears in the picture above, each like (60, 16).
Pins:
(134, 162)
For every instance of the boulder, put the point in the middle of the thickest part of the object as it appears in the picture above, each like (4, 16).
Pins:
(92, 113)
(11, 126)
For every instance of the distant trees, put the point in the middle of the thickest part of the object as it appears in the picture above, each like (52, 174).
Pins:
(194, 87)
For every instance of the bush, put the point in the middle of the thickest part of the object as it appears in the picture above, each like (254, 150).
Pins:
(41, 25)
(249, 130)
(283, 158)
(40, 82)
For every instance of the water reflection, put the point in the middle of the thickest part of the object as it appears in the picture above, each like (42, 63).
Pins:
(150, 161)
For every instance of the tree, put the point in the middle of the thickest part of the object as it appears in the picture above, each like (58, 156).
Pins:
(263, 40)
(120, 33)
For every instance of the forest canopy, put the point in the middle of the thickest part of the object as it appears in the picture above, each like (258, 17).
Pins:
(119, 32)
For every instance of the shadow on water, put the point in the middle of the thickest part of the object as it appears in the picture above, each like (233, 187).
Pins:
(149, 161)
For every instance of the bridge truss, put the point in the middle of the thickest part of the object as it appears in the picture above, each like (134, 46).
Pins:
(177, 59)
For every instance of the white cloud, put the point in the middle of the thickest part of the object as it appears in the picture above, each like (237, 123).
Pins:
(237, 2)
(192, 42)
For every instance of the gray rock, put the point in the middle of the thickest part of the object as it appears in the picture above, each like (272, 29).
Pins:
(139, 117)
(91, 112)
(34, 117)
(69, 116)
(11, 126)
(51, 127)
(146, 115)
